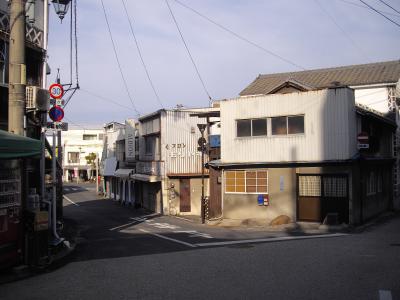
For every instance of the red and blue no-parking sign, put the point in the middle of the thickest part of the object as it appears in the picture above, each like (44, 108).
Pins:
(56, 113)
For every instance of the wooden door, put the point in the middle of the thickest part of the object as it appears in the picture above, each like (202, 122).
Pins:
(184, 204)
(309, 198)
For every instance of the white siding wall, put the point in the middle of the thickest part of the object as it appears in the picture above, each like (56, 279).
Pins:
(179, 135)
(330, 127)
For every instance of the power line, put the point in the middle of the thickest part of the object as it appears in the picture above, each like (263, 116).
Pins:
(240, 37)
(341, 29)
(397, 24)
(389, 6)
(104, 98)
(363, 6)
(116, 57)
(140, 55)
(188, 51)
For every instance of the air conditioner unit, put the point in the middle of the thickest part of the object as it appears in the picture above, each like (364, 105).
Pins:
(37, 98)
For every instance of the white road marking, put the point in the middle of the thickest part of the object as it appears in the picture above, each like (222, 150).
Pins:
(66, 189)
(266, 240)
(385, 295)
(164, 226)
(66, 198)
(74, 189)
(194, 234)
(168, 238)
(120, 226)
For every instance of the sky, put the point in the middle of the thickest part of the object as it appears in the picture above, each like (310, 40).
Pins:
(309, 34)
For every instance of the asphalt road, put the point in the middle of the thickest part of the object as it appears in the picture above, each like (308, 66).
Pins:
(128, 254)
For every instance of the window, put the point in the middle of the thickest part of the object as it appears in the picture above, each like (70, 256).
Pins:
(243, 128)
(149, 145)
(242, 181)
(89, 137)
(295, 124)
(259, 127)
(279, 126)
(371, 184)
(287, 125)
(251, 127)
(73, 157)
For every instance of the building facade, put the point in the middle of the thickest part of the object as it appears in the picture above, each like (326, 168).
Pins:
(297, 155)
(77, 146)
(168, 172)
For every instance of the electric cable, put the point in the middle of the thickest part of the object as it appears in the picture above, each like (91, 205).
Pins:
(76, 46)
(104, 98)
(378, 12)
(117, 59)
(241, 37)
(188, 51)
(342, 30)
(363, 6)
(389, 6)
(141, 56)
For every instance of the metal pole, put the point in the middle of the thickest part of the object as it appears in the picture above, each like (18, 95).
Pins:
(97, 174)
(17, 68)
(203, 217)
(54, 175)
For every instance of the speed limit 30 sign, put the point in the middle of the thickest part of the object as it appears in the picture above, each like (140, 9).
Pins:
(56, 91)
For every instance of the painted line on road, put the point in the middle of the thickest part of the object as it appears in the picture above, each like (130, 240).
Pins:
(185, 219)
(121, 226)
(385, 295)
(267, 240)
(168, 238)
(66, 198)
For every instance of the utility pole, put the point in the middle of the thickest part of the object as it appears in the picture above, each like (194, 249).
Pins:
(17, 68)
(202, 147)
(97, 173)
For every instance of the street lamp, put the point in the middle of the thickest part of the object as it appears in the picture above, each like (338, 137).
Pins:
(202, 147)
(61, 7)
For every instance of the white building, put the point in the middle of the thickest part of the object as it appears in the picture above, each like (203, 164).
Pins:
(77, 145)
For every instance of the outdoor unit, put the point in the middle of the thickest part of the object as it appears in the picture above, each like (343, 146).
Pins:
(37, 98)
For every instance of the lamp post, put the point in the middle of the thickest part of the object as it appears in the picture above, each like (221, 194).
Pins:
(202, 147)
(61, 7)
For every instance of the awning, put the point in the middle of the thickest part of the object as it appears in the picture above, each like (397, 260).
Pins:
(110, 164)
(16, 146)
(147, 178)
(123, 172)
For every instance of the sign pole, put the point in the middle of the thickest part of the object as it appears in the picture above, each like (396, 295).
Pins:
(54, 180)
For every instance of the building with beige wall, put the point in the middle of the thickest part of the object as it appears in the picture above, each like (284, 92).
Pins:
(296, 154)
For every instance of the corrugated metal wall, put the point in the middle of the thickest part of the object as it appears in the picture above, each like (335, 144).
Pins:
(330, 127)
(179, 135)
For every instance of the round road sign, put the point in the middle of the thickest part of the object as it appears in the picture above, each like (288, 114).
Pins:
(56, 113)
(56, 91)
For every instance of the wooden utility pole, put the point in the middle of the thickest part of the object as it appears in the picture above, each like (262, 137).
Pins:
(17, 68)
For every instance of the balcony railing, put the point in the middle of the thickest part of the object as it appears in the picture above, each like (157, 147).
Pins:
(33, 34)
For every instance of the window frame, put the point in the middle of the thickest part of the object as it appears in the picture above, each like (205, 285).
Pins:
(251, 127)
(245, 171)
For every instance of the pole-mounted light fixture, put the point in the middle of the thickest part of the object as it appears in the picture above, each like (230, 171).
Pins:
(61, 7)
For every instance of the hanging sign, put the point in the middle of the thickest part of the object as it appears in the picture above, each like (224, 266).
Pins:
(363, 140)
(56, 91)
(56, 113)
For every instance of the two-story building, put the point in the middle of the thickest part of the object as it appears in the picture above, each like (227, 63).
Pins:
(168, 172)
(298, 155)
(376, 85)
(78, 144)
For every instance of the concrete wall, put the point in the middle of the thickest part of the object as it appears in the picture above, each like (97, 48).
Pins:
(195, 195)
(245, 206)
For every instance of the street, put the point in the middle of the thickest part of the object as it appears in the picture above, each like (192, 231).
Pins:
(123, 253)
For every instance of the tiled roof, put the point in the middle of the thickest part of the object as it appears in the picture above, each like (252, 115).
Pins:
(374, 73)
